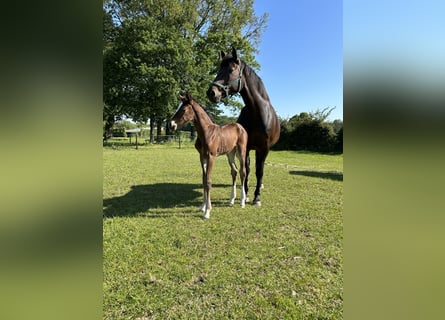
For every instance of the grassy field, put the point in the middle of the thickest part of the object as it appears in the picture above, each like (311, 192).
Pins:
(162, 261)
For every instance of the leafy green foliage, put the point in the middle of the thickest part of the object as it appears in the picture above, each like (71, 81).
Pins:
(162, 261)
(310, 131)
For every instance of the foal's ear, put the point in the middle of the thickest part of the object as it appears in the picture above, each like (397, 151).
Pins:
(181, 97)
(221, 55)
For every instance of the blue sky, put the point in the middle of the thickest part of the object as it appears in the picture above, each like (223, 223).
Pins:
(301, 55)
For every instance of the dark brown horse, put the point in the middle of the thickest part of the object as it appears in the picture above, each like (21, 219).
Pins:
(213, 140)
(258, 116)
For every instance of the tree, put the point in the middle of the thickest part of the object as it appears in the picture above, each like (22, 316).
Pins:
(156, 49)
(321, 115)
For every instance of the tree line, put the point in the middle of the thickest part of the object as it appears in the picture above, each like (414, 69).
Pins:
(306, 131)
(310, 131)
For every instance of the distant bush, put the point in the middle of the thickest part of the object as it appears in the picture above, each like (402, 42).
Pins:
(313, 136)
(309, 131)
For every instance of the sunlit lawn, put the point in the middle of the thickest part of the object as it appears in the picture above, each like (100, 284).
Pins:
(162, 261)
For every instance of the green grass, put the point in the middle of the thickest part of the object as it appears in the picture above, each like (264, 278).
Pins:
(162, 261)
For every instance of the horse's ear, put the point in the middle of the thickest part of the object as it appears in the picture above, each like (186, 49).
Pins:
(188, 96)
(221, 55)
(181, 97)
(234, 55)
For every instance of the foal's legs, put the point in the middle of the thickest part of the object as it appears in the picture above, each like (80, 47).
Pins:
(234, 172)
(207, 181)
(243, 176)
(204, 179)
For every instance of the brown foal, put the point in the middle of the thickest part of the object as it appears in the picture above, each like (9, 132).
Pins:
(213, 140)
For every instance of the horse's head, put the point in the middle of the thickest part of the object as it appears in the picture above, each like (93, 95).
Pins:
(184, 113)
(228, 79)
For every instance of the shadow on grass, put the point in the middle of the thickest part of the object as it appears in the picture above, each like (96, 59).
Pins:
(142, 198)
(337, 176)
(163, 197)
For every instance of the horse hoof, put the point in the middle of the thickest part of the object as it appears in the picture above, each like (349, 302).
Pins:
(257, 203)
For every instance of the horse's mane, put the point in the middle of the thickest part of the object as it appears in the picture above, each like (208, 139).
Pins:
(256, 80)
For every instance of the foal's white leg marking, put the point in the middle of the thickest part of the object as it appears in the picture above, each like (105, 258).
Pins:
(233, 194)
(207, 214)
(243, 197)
(204, 202)
(204, 174)
(206, 205)
(207, 181)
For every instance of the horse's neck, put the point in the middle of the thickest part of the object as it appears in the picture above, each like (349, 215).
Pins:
(202, 120)
(255, 96)
(253, 93)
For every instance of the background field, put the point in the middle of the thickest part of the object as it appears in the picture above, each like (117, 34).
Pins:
(162, 261)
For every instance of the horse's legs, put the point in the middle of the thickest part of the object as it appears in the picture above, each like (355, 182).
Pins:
(234, 172)
(247, 166)
(208, 186)
(260, 158)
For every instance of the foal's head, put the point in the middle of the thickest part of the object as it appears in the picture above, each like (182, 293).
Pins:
(184, 113)
(228, 79)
